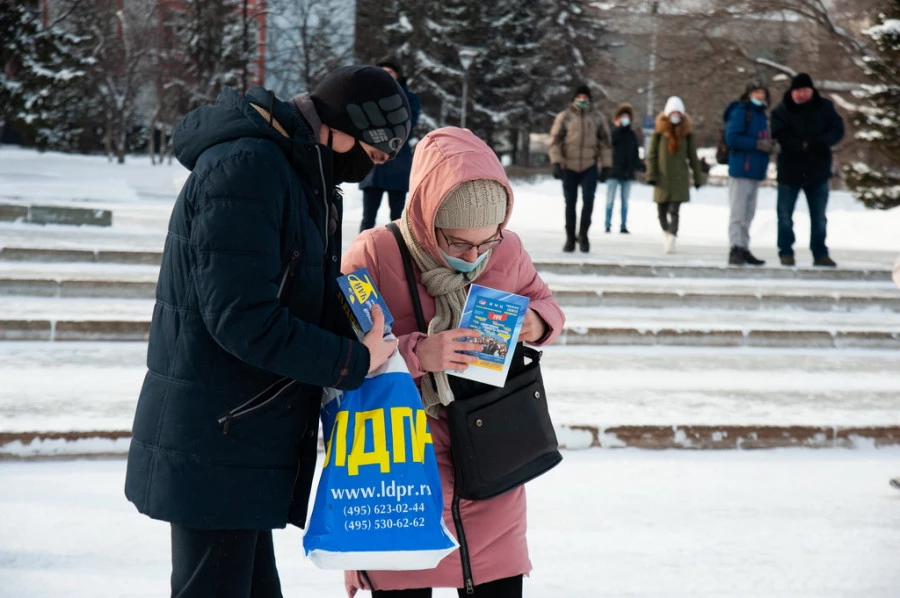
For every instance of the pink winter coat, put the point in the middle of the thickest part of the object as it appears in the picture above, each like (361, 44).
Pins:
(494, 529)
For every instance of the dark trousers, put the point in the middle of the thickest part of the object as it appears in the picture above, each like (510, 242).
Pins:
(223, 564)
(509, 587)
(668, 216)
(587, 180)
(817, 200)
(372, 201)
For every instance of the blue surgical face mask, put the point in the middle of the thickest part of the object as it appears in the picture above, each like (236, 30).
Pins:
(461, 265)
(757, 102)
(675, 119)
(625, 121)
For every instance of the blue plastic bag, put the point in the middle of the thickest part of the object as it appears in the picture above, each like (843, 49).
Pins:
(378, 504)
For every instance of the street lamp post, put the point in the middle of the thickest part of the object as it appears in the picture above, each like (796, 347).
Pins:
(466, 56)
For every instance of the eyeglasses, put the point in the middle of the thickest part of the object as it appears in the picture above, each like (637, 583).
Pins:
(460, 248)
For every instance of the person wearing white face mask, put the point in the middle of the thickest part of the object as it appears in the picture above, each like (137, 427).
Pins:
(749, 143)
(454, 225)
(625, 162)
(672, 151)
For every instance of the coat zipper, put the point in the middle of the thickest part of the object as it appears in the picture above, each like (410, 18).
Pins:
(288, 272)
(324, 199)
(461, 538)
(247, 407)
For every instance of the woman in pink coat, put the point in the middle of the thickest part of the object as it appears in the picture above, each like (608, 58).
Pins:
(455, 227)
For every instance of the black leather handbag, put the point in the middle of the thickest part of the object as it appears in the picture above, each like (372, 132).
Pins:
(500, 438)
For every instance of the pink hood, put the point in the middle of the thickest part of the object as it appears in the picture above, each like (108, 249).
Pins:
(443, 159)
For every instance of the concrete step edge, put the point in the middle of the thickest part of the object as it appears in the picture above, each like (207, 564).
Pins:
(587, 268)
(130, 330)
(114, 443)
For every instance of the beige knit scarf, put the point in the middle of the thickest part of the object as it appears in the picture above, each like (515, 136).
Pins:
(448, 288)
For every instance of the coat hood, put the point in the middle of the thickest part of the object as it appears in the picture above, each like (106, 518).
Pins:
(623, 109)
(231, 118)
(443, 159)
(727, 114)
(682, 129)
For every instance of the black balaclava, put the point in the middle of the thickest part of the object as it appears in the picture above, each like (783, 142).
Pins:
(366, 103)
(350, 166)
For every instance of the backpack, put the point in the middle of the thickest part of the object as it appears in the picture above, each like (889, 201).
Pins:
(722, 148)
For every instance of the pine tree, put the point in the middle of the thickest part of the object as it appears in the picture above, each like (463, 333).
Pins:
(877, 184)
(572, 47)
(41, 84)
(504, 90)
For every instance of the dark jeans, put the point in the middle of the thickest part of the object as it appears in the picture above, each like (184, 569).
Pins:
(509, 587)
(817, 200)
(668, 216)
(372, 201)
(587, 180)
(223, 564)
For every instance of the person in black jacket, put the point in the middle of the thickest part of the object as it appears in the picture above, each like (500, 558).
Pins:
(246, 330)
(625, 162)
(392, 177)
(806, 126)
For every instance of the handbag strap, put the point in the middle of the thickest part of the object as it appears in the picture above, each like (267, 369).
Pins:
(410, 277)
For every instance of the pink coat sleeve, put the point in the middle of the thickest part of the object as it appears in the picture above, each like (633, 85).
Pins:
(532, 285)
(361, 254)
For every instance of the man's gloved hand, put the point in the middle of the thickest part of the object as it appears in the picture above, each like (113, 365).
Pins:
(651, 182)
(557, 171)
(697, 186)
(604, 173)
(766, 145)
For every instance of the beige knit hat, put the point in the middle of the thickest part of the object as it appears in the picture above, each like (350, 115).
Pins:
(473, 204)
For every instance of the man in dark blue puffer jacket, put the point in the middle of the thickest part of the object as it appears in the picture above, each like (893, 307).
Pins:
(246, 330)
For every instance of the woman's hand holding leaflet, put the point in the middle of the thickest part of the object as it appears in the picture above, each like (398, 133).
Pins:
(442, 351)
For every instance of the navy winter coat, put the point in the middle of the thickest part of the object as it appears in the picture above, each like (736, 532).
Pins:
(394, 175)
(625, 157)
(741, 135)
(244, 304)
(806, 133)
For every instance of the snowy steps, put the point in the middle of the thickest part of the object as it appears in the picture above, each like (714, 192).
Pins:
(590, 268)
(107, 295)
(109, 319)
(666, 293)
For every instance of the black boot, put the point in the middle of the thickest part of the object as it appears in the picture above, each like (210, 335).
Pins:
(583, 244)
(736, 257)
(569, 247)
(752, 259)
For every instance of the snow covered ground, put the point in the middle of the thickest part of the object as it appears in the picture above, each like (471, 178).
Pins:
(141, 197)
(636, 524)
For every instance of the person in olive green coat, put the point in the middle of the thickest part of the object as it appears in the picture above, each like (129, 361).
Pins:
(671, 158)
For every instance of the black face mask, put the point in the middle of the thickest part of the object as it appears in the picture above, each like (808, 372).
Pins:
(351, 166)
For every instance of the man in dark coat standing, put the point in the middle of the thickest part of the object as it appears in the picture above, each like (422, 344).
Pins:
(806, 126)
(246, 330)
(392, 177)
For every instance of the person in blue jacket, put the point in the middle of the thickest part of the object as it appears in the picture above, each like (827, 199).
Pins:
(749, 147)
(392, 177)
(246, 330)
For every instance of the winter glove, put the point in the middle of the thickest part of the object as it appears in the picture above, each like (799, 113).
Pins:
(604, 174)
(697, 186)
(651, 182)
(765, 145)
(557, 171)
